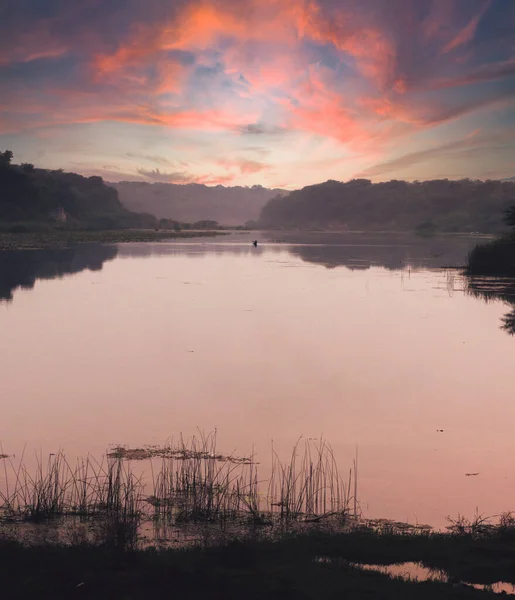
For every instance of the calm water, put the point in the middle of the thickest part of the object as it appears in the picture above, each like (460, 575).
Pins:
(362, 339)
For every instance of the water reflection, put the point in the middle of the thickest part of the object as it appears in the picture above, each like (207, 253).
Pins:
(351, 250)
(21, 268)
(393, 251)
(267, 343)
(495, 288)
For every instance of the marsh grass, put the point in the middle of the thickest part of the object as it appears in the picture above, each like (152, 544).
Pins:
(309, 487)
(192, 483)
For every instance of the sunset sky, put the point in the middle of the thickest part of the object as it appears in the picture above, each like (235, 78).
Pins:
(281, 93)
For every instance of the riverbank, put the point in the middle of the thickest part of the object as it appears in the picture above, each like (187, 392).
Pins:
(496, 258)
(309, 566)
(62, 238)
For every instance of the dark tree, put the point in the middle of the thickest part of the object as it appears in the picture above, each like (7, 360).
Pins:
(29, 195)
(440, 205)
(508, 322)
(509, 216)
(5, 158)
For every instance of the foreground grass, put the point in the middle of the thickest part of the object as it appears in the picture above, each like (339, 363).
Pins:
(59, 238)
(251, 569)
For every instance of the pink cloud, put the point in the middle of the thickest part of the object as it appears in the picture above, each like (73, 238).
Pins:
(244, 166)
(265, 72)
(467, 34)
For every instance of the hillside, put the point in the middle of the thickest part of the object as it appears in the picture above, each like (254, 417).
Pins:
(194, 202)
(31, 196)
(428, 206)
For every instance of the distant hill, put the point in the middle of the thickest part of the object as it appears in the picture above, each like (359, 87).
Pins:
(426, 207)
(194, 202)
(31, 196)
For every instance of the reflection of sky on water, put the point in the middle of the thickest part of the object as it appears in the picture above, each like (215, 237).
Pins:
(239, 341)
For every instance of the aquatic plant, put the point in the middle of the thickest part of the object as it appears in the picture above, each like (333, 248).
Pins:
(193, 483)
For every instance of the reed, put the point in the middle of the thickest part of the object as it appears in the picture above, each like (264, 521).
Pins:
(192, 483)
(310, 486)
(196, 483)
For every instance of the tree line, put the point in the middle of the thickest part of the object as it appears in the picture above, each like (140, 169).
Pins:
(424, 206)
(31, 196)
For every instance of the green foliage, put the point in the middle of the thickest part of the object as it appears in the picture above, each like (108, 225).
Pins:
(36, 196)
(426, 207)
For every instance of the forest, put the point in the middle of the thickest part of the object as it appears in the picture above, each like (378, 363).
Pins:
(32, 197)
(444, 206)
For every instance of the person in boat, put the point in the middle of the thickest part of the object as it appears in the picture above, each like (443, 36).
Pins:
(254, 243)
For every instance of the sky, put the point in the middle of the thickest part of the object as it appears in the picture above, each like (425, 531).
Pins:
(279, 93)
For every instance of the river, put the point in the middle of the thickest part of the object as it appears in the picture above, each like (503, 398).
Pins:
(368, 340)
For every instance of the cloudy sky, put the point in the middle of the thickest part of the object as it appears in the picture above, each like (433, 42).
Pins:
(280, 93)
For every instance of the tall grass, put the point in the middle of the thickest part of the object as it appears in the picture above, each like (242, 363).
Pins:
(193, 483)
(310, 486)
(196, 483)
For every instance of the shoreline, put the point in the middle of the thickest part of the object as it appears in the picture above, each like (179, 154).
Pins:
(64, 238)
(308, 566)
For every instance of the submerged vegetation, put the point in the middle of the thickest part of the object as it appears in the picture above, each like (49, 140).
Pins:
(194, 483)
(205, 525)
(219, 531)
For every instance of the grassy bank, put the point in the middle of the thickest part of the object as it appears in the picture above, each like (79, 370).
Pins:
(496, 258)
(62, 238)
(252, 569)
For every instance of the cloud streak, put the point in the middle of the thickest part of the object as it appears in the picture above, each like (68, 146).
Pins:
(364, 75)
(472, 142)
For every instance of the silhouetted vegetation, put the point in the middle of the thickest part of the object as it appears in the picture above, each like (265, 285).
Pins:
(75, 529)
(308, 566)
(497, 257)
(426, 207)
(34, 198)
(194, 484)
(490, 271)
(494, 258)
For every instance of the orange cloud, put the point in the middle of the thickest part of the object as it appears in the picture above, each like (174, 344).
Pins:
(260, 67)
